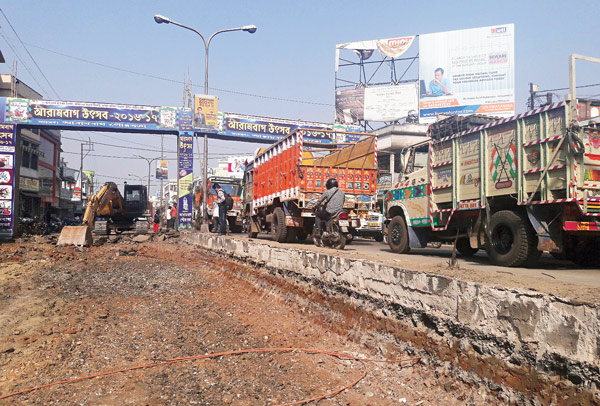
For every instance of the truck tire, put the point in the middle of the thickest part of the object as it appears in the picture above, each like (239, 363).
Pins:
(398, 236)
(512, 240)
(279, 230)
(379, 237)
(464, 247)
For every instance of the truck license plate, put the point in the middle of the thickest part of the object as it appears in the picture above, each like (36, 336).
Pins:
(372, 223)
(344, 223)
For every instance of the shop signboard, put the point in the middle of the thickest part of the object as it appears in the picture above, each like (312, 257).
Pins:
(8, 135)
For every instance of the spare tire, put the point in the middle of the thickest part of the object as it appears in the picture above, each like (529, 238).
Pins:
(511, 239)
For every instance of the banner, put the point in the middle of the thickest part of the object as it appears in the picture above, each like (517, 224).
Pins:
(90, 176)
(185, 177)
(390, 103)
(394, 47)
(90, 115)
(206, 110)
(378, 103)
(268, 130)
(349, 106)
(162, 170)
(466, 72)
(8, 135)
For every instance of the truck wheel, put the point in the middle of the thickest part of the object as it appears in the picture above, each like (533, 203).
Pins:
(398, 236)
(464, 247)
(379, 237)
(512, 239)
(278, 228)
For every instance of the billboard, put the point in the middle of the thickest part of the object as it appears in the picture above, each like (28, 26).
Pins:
(91, 115)
(185, 177)
(162, 170)
(379, 103)
(206, 110)
(8, 136)
(459, 73)
(467, 72)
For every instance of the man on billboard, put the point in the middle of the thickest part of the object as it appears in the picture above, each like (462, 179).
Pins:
(439, 85)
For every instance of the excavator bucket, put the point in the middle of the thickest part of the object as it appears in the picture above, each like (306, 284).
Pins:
(75, 235)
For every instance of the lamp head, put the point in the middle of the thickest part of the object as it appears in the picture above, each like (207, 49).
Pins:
(161, 19)
(248, 28)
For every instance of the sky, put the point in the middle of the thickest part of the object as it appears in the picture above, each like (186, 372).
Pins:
(112, 51)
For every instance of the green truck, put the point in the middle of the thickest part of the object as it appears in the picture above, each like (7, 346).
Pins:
(515, 187)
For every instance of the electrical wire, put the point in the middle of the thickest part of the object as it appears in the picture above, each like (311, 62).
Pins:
(238, 352)
(23, 63)
(178, 81)
(566, 88)
(28, 53)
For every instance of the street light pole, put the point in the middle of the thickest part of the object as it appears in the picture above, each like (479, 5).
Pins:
(149, 160)
(159, 19)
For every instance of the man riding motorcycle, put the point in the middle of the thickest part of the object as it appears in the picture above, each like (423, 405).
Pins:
(333, 200)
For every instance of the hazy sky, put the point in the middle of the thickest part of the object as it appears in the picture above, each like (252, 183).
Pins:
(113, 51)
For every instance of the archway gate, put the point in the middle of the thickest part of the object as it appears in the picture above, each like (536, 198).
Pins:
(16, 113)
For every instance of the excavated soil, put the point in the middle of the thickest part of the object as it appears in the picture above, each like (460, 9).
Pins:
(69, 312)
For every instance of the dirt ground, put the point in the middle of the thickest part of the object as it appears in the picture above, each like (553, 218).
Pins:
(69, 312)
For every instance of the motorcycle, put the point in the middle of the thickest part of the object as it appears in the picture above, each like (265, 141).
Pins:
(334, 234)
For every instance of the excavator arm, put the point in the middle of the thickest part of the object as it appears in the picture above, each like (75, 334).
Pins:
(105, 203)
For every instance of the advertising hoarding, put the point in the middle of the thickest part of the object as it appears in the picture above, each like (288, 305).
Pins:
(162, 170)
(90, 115)
(185, 177)
(268, 130)
(8, 135)
(206, 110)
(378, 103)
(467, 72)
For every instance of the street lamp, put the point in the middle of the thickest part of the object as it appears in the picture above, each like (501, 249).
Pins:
(149, 160)
(248, 28)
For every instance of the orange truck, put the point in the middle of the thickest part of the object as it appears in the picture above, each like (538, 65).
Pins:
(233, 187)
(283, 183)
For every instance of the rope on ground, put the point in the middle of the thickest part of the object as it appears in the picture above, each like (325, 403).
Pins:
(237, 352)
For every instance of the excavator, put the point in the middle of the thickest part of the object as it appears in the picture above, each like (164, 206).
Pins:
(109, 211)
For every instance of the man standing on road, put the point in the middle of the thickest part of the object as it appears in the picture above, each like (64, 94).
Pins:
(330, 202)
(222, 209)
(174, 216)
(168, 214)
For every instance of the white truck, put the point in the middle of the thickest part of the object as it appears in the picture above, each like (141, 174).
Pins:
(515, 187)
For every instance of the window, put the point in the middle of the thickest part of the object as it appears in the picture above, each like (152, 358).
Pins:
(30, 155)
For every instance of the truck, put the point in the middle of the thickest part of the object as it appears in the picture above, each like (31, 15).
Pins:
(233, 187)
(109, 211)
(515, 187)
(285, 180)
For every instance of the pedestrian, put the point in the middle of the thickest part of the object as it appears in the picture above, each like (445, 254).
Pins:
(169, 223)
(215, 217)
(156, 220)
(174, 216)
(48, 219)
(222, 208)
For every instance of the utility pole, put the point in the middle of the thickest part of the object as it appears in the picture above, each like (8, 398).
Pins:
(162, 193)
(85, 147)
(533, 88)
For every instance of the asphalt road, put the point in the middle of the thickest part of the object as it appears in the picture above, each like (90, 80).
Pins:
(548, 268)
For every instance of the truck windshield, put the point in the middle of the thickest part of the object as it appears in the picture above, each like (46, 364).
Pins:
(232, 190)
